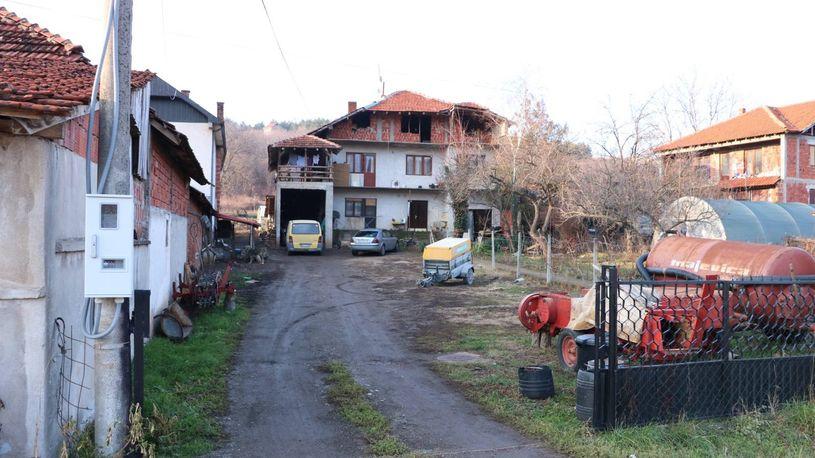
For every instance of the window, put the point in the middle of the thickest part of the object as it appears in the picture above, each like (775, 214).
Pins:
(757, 161)
(359, 207)
(353, 207)
(360, 162)
(305, 228)
(724, 165)
(416, 124)
(418, 165)
(361, 120)
(811, 193)
(812, 155)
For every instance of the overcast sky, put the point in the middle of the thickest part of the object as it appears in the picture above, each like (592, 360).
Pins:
(578, 55)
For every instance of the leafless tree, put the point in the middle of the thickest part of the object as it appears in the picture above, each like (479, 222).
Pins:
(690, 105)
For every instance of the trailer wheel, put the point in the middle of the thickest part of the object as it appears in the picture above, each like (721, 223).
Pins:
(469, 277)
(567, 349)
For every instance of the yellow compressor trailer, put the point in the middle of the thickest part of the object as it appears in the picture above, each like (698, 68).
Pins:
(448, 258)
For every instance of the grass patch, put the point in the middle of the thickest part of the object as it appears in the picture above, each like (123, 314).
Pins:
(350, 399)
(783, 431)
(185, 383)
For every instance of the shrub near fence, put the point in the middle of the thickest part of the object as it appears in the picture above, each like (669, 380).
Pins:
(700, 349)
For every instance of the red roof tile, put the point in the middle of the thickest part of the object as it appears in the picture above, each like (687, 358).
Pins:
(24, 39)
(410, 101)
(306, 141)
(755, 123)
(749, 182)
(42, 73)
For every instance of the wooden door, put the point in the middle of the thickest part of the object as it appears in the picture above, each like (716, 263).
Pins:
(369, 170)
(417, 216)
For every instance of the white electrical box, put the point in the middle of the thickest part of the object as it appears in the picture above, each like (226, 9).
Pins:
(108, 245)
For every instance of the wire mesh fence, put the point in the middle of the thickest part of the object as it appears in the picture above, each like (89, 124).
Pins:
(568, 261)
(701, 348)
(75, 376)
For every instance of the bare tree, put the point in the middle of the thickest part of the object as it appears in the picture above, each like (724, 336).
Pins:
(689, 105)
(628, 187)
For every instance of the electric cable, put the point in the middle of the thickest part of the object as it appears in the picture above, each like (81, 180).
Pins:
(283, 55)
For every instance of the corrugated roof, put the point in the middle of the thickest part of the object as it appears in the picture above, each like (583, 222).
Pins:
(306, 141)
(42, 73)
(161, 89)
(749, 182)
(759, 122)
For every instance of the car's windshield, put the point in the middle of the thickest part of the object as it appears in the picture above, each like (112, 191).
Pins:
(366, 234)
(305, 228)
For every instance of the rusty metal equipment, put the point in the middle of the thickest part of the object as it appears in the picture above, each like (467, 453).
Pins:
(686, 317)
(204, 290)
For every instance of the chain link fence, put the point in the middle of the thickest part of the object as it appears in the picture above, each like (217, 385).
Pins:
(75, 377)
(700, 348)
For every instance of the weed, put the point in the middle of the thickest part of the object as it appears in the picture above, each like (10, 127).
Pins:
(350, 399)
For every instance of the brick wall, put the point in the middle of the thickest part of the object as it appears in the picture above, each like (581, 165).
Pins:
(389, 123)
(742, 160)
(169, 186)
(218, 166)
(74, 136)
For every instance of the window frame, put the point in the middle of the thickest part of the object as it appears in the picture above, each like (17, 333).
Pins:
(410, 159)
(355, 200)
(351, 160)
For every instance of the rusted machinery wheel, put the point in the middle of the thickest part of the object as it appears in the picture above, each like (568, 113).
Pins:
(566, 347)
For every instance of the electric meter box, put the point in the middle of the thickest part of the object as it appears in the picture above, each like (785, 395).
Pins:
(108, 245)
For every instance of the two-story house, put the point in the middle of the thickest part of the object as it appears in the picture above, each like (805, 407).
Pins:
(765, 154)
(380, 165)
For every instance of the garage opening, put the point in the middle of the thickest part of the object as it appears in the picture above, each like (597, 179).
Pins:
(300, 204)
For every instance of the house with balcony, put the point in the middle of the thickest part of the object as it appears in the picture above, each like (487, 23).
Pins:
(381, 166)
(766, 154)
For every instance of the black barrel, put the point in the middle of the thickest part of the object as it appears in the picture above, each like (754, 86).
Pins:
(536, 382)
(585, 350)
(584, 392)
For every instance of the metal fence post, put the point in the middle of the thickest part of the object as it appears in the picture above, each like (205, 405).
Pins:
(726, 331)
(549, 258)
(611, 399)
(594, 259)
(518, 261)
(598, 409)
(492, 250)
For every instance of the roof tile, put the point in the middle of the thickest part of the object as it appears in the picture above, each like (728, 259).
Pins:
(755, 123)
(306, 141)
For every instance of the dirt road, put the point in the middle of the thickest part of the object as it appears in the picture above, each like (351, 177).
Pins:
(362, 311)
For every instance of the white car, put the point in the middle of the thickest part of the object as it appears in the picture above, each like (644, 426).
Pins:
(373, 241)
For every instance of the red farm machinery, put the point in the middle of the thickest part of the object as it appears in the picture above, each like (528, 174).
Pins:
(676, 311)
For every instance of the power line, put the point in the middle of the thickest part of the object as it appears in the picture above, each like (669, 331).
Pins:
(283, 55)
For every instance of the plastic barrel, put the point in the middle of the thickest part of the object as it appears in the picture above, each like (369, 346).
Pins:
(585, 350)
(584, 393)
(536, 382)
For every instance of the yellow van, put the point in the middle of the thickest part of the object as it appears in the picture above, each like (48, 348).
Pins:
(304, 235)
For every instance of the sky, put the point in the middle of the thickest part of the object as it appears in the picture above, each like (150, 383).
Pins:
(579, 56)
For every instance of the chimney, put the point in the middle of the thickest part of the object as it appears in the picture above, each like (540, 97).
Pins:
(743, 110)
(352, 106)
(186, 92)
(220, 112)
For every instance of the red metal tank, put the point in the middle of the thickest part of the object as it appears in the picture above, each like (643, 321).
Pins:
(729, 259)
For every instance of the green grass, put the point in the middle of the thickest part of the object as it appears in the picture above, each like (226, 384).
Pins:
(782, 431)
(350, 399)
(185, 383)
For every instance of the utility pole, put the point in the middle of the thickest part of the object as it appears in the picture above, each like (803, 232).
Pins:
(112, 383)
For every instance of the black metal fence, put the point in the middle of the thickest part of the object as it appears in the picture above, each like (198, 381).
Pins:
(700, 348)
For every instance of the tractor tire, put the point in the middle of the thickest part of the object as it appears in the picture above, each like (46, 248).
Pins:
(566, 348)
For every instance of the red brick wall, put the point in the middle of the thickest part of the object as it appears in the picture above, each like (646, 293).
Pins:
(74, 136)
(218, 166)
(439, 129)
(169, 186)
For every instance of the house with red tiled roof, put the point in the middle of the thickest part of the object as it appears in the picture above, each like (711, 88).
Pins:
(45, 90)
(380, 166)
(764, 154)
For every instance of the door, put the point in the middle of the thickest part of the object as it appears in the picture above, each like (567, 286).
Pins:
(417, 216)
(369, 171)
(389, 241)
(370, 213)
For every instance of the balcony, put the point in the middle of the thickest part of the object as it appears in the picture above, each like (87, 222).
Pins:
(314, 173)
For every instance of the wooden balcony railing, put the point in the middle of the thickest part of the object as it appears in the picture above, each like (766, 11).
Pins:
(309, 173)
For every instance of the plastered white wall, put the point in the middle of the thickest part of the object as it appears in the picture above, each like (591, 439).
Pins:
(392, 205)
(199, 135)
(391, 163)
(168, 252)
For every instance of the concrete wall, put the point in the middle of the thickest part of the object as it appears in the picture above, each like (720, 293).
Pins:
(203, 145)
(329, 206)
(41, 273)
(390, 163)
(393, 205)
(168, 252)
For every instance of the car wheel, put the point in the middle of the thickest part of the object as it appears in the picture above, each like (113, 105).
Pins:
(289, 253)
(382, 250)
(469, 278)
(354, 253)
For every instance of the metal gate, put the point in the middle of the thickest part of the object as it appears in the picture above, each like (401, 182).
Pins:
(700, 349)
